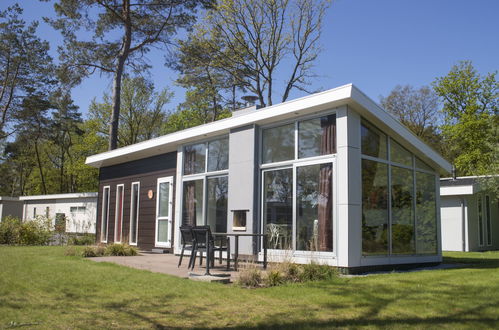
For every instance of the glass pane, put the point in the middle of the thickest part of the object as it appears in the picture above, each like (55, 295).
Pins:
(422, 165)
(278, 143)
(487, 213)
(134, 211)
(373, 142)
(194, 159)
(426, 214)
(402, 211)
(192, 206)
(480, 221)
(317, 136)
(278, 207)
(217, 204)
(314, 203)
(374, 208)
(105, 214)
(119, 212)
(399, 154)
(163, 198)
(163, 231)
(218, 155)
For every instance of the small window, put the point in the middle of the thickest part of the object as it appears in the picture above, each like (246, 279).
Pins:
(34, 212)
(218, 155)
(317, 136)
(373, 142)
(194, 158)
(278, 143)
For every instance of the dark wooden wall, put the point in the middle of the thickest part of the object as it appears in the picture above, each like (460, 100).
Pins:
(146, 171)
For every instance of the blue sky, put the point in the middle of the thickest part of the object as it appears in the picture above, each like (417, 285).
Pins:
(373, 44)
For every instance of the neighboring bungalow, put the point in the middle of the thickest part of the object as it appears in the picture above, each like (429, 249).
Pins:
(330, 177)
(10, 207)
(470, 215)
(76, 212)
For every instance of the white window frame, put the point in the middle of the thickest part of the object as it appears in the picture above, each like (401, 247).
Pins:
(108, 188)
(137, 209)
(116, 212)
(294, 164)
(168, 243)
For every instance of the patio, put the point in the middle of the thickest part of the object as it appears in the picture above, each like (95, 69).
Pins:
(167, 264)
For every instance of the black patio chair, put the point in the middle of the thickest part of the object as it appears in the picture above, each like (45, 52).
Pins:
(205, 242)
(187, 243)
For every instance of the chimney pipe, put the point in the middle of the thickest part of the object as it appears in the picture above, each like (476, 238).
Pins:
(453, 172)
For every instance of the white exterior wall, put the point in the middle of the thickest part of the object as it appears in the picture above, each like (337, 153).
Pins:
(453, 214)
(75, 222)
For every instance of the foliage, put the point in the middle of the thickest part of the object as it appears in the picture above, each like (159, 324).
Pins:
(32, 232)
(317, 272)
(274, 278)
(85, 239)
(142, 112)
(246, 44)
(122, 33)
(250, 277)
(93, 251)
(471, 110)
(121, 250)
(418, 110)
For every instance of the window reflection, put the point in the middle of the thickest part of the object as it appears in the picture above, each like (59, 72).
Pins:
(194, 159)
(426, 224)
(317, 136)
(402, 211)
(217, 203)
(373, 142)
(278, 143)
(399, 154)
(218, 155)
(192, 206)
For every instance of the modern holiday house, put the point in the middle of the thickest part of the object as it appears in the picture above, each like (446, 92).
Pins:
(329, 177)
(470, 215)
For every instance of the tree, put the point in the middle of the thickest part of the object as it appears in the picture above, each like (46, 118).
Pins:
(418, 109)
(123, 32)
(142, 112)
(255, 41)
(471, 128)
(25, 66)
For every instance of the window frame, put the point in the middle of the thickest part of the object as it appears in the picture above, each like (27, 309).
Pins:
(108, 188)
(294, 164)
(488, 221)
(116, 211)
(137, 209)
(157, 243)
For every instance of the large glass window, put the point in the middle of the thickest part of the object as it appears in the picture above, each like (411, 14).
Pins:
(216, 209)
(134, 213)
(374, 208)
(278, 207)
(402, 211)
(317, 136)
(192, 204)
(426, 226)
(163, 211)
(218, 155)
(314, 203)
(104, 215)
(194, 158)
(278, 143)
(373, 142)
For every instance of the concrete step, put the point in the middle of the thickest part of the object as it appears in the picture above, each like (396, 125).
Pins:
(215, 278)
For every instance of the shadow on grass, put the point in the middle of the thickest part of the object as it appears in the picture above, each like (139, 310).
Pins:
(478, 260)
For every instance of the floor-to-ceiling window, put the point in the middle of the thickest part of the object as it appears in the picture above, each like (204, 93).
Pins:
(297, 184)
(399, 215)
(104, 214)
(118, 222)
(205, 184)
(134, 212)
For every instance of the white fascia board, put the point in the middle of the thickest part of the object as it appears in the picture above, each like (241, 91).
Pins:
(8, 198)
(59, 196)
(390, 125)
(457, 190)
(167, 143)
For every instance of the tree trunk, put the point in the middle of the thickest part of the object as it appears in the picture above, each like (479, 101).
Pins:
(40, 169)
(115, 115)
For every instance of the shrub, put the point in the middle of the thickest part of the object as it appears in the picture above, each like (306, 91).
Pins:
(250, 277)
(317, 272)
(93, 251)
(121, 250)
(72, 251)
(85, 239)
(275, 278)
(9, 230)
(35, 232)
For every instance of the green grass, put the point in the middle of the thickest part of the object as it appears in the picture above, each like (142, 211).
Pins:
(42, 288)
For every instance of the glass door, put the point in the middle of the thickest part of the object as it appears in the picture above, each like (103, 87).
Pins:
(164, 212)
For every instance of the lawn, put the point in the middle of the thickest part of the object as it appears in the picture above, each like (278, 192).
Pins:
(40, 287)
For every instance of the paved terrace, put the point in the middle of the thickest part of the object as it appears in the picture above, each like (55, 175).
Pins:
(167, 264)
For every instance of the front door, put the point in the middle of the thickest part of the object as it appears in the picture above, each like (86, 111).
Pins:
(164, 194)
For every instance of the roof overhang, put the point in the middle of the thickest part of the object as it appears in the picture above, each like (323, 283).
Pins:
(59, 196)
(344, 95)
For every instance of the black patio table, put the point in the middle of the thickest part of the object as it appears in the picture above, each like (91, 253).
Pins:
(236, 247)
